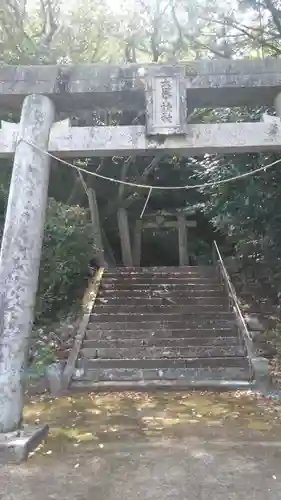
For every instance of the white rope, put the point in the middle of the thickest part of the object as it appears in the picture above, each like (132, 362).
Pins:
(149, 187)
(146, 202)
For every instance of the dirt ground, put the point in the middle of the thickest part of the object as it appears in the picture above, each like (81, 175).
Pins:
(151, 447)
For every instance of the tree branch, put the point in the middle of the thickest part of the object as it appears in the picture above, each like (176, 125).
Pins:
(115, 204)
(196, 44)
(276, 15)
(140, 180)
(19, 33)
(245, 30)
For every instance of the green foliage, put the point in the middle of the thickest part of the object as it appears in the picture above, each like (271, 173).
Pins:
(67, 249)
(45, 356)
(55, 31)
(247, 211)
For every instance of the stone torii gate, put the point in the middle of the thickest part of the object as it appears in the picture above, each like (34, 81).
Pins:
(162, 220)
(167, 93)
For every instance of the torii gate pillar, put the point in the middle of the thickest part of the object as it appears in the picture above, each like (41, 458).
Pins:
(277, 105)
(21, 251)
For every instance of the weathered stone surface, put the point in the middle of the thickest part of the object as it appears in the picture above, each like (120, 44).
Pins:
(153, 299)
(162, 352)
(199, 139)
(54, 376)
(162, 281)
(20, 254)
(172, 286)
(214, 319)
(174, 294)
(220, 363)
(254, 323)
(168, 308)
(104, 341)
(189, 375)
(152, 332)
(209, 84)
(176, 270)
(166, 108)
(143, 342)
(277, 105)
(16, 446)
(211, 384)
(263, 381)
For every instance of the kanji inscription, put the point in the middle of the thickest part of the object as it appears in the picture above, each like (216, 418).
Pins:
(166, 105)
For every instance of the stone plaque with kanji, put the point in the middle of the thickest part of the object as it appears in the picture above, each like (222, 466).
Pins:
(166, 102)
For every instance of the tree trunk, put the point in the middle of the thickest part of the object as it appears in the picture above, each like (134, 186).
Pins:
(124, 232)
(97, 233)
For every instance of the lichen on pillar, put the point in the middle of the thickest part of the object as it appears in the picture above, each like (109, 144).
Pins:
(21, 251)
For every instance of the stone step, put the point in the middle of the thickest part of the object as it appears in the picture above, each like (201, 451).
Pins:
(215, 383)
(152, 352)
(175, 287)
(175, 269)
(152, 330)
(158, 300)
(160, 309)
(157, 363)
(187, 317)
(156, 292)
(108, 341)
(162, 274)
(160, 281)
(189, 323)
(188, 375)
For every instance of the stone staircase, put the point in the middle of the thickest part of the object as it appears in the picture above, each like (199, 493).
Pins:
(162, 327)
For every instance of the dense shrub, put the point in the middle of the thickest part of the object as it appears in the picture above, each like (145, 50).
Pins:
(67, 249)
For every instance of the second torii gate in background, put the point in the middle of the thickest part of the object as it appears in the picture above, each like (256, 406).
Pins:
(162, 220)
